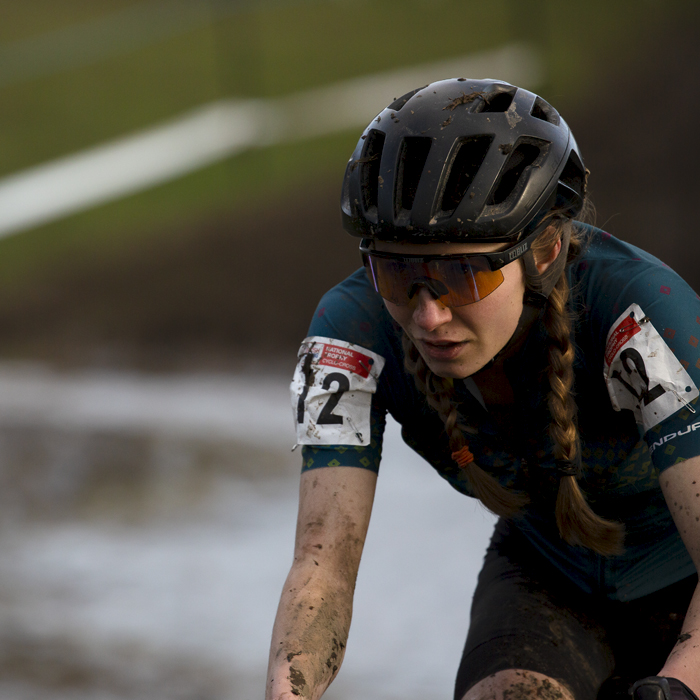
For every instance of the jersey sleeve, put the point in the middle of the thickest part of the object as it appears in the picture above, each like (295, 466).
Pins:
(337, 398)
(676, 436)
(651, 361)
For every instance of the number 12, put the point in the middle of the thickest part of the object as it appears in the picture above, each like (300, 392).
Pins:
(327, 417)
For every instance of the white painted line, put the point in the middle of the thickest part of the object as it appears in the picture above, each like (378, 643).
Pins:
(113, 170)
(219, 130)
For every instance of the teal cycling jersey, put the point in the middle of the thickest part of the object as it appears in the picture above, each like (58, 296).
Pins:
(636, 332)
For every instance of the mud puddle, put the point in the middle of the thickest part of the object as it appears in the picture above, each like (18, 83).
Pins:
(142, 551)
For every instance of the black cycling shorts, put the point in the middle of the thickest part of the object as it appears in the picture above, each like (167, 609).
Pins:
(527, 615)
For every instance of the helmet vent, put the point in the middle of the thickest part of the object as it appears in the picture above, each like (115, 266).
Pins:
(526, 154)
(496, 101)
(396, 105)
(412, 156)
(573, 174)
(544, 111)
(466, 160)
(369, 170)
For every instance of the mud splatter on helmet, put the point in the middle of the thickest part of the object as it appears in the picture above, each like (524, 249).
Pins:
(462, 160)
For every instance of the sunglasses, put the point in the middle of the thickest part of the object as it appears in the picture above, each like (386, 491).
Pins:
(456, 280)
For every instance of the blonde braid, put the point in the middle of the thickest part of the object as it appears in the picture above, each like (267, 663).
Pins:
(439, 394)
(577, 523)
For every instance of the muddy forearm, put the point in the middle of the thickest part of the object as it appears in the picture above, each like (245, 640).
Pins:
(313, 619)
(310, 633)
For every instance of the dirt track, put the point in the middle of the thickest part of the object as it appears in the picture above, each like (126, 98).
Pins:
(238, 287)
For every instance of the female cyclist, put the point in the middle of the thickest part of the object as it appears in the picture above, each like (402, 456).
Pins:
(539, 365)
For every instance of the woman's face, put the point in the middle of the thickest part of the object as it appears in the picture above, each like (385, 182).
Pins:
(457, 342)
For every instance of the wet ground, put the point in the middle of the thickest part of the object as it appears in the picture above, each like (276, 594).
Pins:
(147, 527)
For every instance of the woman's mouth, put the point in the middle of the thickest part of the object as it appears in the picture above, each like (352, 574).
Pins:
(441, 349)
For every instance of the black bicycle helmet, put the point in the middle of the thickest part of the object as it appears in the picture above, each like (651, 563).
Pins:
(462, 160)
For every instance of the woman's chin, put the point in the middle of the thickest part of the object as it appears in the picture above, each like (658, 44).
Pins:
(456, 368)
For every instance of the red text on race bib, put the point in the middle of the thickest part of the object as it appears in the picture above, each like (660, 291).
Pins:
(626, 329)
(345, 358)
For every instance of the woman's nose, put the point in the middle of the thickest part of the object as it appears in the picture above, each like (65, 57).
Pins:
(429, 313)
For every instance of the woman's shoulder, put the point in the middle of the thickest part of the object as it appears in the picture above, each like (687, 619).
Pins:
(598, 247)
(354, 351)
(610, 275)
(640, 322)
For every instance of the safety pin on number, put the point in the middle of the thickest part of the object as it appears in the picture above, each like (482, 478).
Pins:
(358, 434)
(683, 401)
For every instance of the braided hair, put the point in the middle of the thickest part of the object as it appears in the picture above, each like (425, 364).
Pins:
(440, 395)
(576, 521)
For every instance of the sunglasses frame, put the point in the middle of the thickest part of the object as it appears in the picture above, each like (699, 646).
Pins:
(497, 259)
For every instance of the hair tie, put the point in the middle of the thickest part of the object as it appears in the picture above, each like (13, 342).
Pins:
(463, 456)
(566, 467)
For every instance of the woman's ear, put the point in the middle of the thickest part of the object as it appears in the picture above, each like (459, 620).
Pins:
(543, 264)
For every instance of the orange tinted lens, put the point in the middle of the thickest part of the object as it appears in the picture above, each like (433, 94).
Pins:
(393, 279)
(456, 282)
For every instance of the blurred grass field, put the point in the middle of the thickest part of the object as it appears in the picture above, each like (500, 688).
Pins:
(77, 73)
(263, 49)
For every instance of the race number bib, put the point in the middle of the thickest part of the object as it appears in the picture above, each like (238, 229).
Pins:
(642, 373)
(332, 392)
